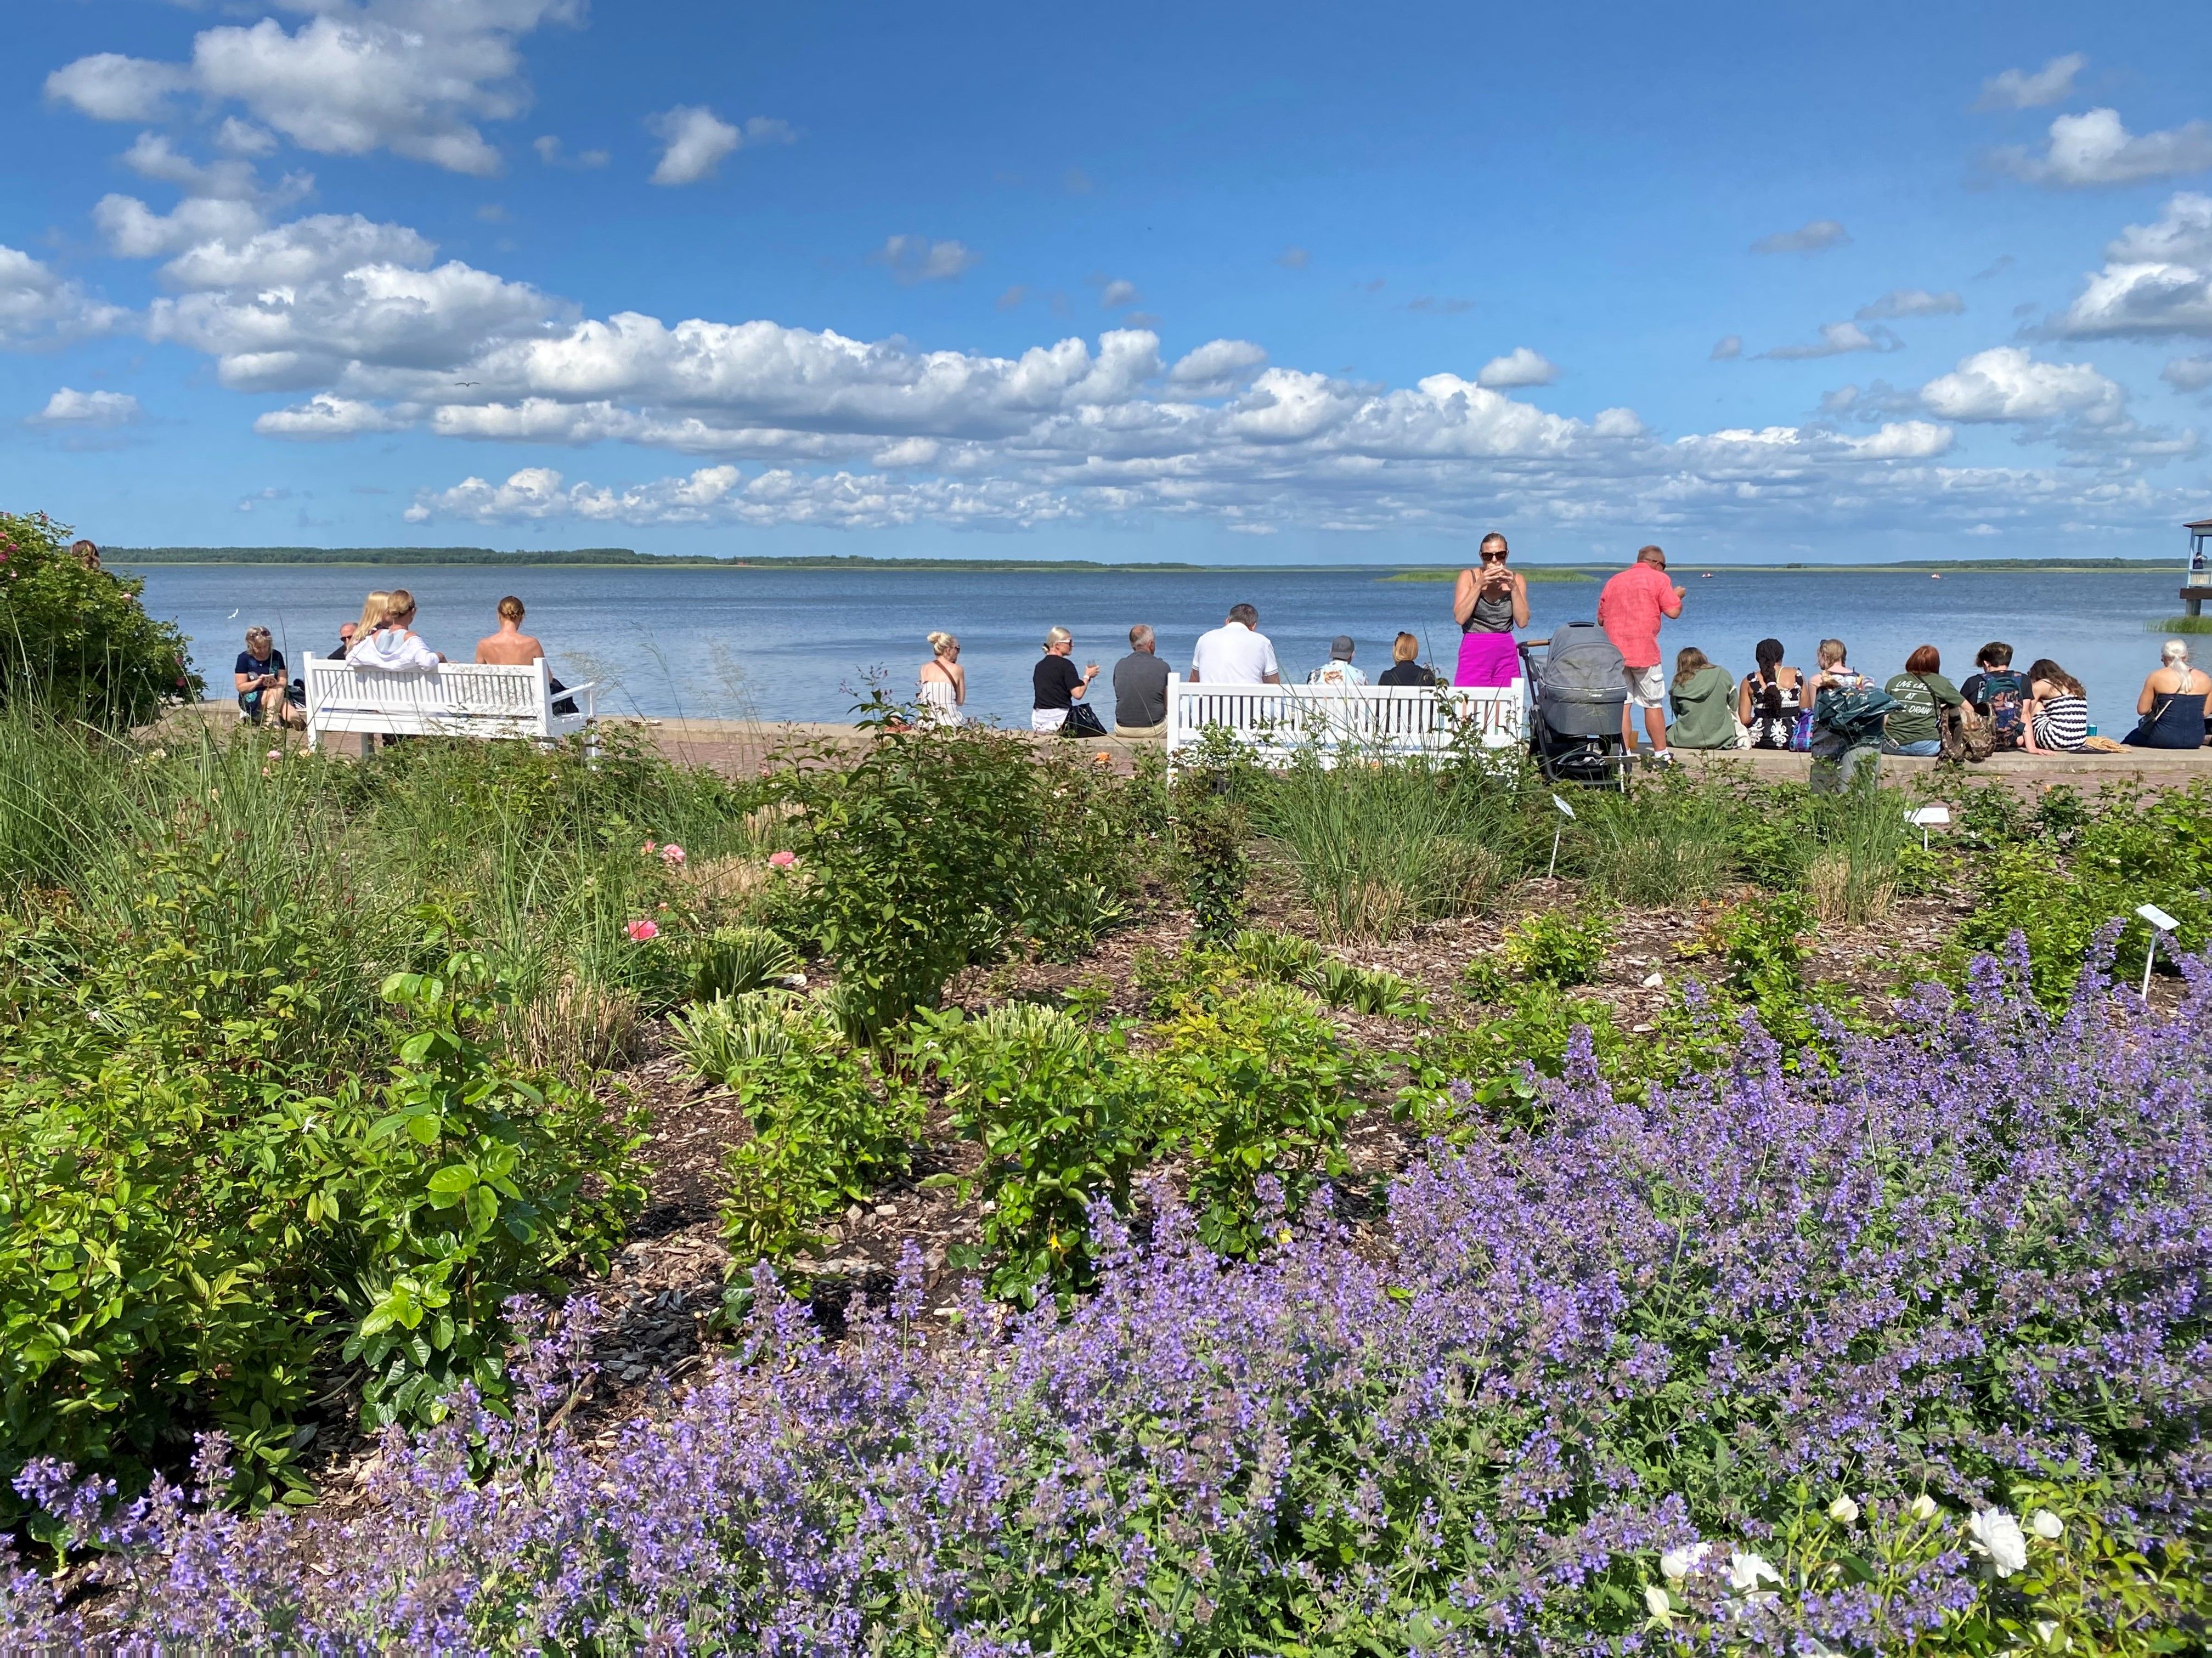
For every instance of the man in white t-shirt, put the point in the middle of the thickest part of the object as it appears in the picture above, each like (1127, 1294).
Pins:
(1236, 653)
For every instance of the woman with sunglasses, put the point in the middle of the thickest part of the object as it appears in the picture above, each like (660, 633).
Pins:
(1488, 606)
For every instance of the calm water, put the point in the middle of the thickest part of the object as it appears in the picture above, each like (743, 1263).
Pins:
(798, 644)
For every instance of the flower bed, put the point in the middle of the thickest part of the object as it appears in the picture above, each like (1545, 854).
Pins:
(1916, 1352)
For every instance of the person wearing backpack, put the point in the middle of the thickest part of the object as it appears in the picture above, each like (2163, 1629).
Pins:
(1849, 711)
(1998, 694)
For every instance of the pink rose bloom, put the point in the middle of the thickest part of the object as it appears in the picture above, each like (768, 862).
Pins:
(649, 848)
(642, 930)
(783, 860)
(673, 855)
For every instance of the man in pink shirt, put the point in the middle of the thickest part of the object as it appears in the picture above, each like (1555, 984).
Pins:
(1628, 610)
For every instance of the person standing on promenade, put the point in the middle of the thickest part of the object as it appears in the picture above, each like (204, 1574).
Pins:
(1236, 653)
(943, 681)
(1630, 609)
(1488, 606)
(1140, 688)
(1058, 685)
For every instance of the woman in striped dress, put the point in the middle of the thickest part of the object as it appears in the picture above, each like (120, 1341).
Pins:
(2057, 712)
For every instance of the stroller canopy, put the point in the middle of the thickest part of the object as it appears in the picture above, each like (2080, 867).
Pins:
(1578, 684)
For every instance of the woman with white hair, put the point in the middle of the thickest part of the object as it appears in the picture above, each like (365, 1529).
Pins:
(1059, 686)
(2172, 705)
(263, 689)
(944, 681)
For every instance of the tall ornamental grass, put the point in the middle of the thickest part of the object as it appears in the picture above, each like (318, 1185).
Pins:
(1914, 1355)
(1378, 844)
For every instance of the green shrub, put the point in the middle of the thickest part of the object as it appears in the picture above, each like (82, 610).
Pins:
(1558, 947)
(195, 1224)
(1256, 1084)
(470, 1184)
(2133, 850)
(1051, 1104)
(1209, 828)
(938, 847)
(77, 640)
(827, 1128)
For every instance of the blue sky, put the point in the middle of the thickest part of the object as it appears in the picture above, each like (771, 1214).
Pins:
(1274, 283)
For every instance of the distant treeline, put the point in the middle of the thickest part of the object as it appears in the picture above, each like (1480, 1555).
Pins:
(416, 557)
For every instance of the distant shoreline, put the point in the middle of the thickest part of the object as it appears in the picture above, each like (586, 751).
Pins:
(627, 558)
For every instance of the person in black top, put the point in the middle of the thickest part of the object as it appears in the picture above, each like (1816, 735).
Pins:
(1058, 684)
(1403, 669)
(259, 675)
(1140, 688)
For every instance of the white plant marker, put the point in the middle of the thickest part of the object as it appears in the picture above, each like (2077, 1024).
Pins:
(2161, 924)
(1926, 817)
(1567, 811)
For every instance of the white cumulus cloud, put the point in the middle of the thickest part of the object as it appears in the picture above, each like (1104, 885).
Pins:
(2095, 148)
(2005, 383)
(1217, 368)
(2156, 280)
(412, 76)
(1518, 367)
(696, 140)
(2188, 373)
(2019, 88)
(69, 407)
(37, 308)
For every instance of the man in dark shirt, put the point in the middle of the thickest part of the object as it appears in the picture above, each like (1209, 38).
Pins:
(1140, 688)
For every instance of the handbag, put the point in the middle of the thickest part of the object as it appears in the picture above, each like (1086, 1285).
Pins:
(1082, 721)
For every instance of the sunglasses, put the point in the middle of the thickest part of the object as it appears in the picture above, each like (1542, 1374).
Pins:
(1493, 558)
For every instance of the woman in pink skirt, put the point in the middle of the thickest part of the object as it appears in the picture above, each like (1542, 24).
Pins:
(1488, 607)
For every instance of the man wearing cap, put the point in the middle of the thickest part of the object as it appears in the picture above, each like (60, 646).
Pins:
(1338, 670)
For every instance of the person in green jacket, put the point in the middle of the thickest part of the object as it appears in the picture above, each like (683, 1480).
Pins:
(1702, 701)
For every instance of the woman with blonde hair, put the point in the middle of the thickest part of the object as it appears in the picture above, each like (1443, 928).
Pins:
(1405, 667)
(1700, 698)
(393, 647)
(944, 681)
(1059, 687)
(2172, 705)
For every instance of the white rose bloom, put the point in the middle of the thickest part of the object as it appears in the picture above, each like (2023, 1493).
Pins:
(1746, 1571)
(2047, 1526)
(1923, 1506)
(1999, 1535)
(1843, 1511)
(1655, 1601)
(1677, 1563)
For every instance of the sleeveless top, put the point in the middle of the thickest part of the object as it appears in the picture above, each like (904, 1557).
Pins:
(2063, 723)
(2176, 720)
(1489, 616)
(936, 702)
(1773, 711)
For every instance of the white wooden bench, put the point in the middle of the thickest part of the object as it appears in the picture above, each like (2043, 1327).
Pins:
(1366, 721)
(454, 700)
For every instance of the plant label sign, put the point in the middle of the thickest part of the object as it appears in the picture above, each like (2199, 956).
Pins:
(2157, 917)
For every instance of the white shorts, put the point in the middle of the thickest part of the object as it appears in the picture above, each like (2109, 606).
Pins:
(1647, 687)
(1047, 719)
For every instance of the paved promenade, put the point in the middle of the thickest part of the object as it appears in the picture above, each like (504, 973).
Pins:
(740, 745)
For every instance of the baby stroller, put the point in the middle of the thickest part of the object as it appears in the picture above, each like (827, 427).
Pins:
(1576, 693)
